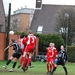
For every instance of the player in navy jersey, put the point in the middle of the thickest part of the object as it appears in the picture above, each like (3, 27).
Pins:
(16, 55)
(61, 60)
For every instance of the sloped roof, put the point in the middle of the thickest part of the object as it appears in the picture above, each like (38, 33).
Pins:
(45, 17)
(2, 17)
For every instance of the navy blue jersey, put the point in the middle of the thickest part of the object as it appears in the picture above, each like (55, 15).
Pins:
(62, 55)
(16, 47)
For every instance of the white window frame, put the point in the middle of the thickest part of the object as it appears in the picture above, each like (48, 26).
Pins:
(40, 29)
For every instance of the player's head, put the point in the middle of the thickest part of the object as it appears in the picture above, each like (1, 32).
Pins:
(26, 35)
(30, 32)
(62, 47)
(50, 44)
(53, 44)
(13, 40)
(22, 36)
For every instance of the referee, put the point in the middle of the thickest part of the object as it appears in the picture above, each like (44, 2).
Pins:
(16, 55)
(61, 60)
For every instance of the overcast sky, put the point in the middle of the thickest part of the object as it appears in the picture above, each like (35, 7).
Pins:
(15, 4)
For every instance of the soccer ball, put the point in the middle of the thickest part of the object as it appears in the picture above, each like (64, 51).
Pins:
(55, 61)
(11, 32)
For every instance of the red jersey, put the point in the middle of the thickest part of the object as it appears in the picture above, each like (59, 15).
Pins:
(25, 40)
(31, 39)
(22, 46)
(21, 43)
(50, 53)
(55, 52)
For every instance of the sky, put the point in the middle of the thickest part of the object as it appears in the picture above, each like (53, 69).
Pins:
(15, 4)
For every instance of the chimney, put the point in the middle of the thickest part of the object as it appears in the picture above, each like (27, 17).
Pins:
(38, 3)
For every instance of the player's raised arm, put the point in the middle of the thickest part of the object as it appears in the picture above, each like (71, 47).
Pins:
(6, 48)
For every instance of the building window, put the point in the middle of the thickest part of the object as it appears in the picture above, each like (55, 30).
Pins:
(39, 29)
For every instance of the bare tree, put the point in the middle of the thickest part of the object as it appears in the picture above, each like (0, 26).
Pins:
(65, 18)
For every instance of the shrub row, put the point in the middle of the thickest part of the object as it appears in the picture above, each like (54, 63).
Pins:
(71, 53)
(45, 39)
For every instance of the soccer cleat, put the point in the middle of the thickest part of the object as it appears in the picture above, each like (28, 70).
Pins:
(66, 74)
(51, 73)
(19, 66)
(31, 66)
(11, 70)
(5, 66)
(23, 69)
(26, 68)
(48, 72)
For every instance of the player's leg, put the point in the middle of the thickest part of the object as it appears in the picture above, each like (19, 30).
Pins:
(21, 62)
(21, 59)
(16, 57)
(47, 66)
(29, 58)
(8, 62)
(54, 69)
(29, 51)
(51, 64)
(25, 61)
(65, 69)
(30, 65)
(24, 65)
(55, 66)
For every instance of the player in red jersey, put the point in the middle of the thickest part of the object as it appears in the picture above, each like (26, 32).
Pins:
(22, 46)
(29, 49)
(55, 53)
(51, 54)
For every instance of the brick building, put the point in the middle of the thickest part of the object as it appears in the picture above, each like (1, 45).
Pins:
(21, 19)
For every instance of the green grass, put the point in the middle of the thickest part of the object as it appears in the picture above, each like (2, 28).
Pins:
(39, 69)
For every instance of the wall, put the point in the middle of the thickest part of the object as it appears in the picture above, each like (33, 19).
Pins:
(3, 44)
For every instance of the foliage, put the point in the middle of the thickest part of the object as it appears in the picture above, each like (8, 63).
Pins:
(45, 39)
(71, 53)
(18, 33)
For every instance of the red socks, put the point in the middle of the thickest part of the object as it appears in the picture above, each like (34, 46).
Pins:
(21, 60)
(47, 67)
(29, 60)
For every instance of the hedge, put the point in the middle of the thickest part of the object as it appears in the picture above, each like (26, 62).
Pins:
(71, 53)
(45, 39)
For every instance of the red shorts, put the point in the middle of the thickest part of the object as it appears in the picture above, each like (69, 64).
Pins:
(29, 48)
(49, 60)
(22, 51)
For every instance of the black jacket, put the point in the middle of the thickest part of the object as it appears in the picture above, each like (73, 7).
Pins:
(16, 47)
(62, 55)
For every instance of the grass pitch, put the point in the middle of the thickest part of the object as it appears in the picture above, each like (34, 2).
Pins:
(38, 69)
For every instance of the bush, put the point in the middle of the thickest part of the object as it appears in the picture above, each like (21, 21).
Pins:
(71, 53)
(18, 33)
(45, 39)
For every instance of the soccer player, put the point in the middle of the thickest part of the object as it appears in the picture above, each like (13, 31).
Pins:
(61, 60)
(29, 49)
(22, 46)
(16, 55)
(55, 53)
(49, 56)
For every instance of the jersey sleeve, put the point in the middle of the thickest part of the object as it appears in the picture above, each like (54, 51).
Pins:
(25, 40)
